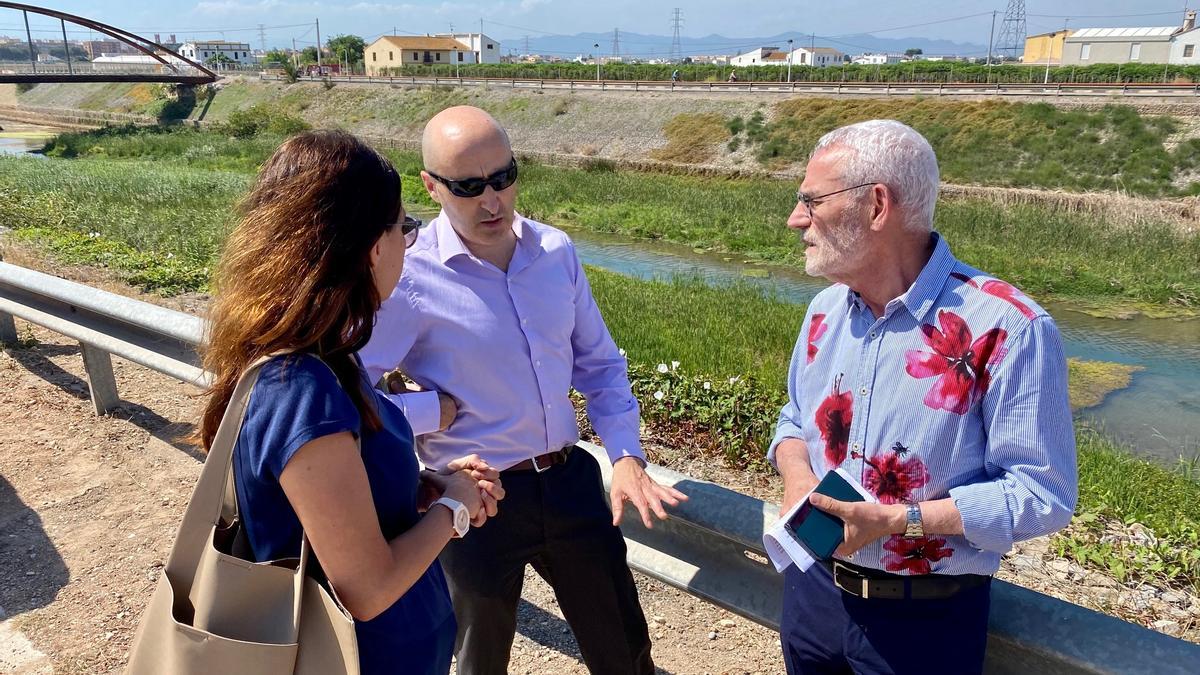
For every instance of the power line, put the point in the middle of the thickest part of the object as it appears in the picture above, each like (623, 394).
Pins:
(1101, 16)
(918, 25)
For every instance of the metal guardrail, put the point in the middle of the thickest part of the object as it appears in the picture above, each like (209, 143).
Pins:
(711, 547)
(1131, 89)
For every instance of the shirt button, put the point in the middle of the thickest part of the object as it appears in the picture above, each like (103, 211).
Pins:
(863, 391)
(524, 322)
(874, 335)
(538, 364)
(547, 406)
(858, 446)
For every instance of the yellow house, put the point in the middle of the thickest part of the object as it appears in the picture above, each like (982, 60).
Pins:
(1047, 45)
(390, 53)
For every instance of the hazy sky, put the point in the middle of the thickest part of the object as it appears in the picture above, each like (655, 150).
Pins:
(964, 21)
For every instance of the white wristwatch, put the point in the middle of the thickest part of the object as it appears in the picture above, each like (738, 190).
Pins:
(459, 514)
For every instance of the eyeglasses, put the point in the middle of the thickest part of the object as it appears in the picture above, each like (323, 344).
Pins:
(410, 228)
(811, 202)
(473, 187)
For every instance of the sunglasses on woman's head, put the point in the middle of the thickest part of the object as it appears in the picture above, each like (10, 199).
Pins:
(410, 228)
(473, 187)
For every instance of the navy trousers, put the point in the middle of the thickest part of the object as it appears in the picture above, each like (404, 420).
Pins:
(825, 630)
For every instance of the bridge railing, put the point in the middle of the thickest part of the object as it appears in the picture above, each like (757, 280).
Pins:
(1136, 90)
(711, 547)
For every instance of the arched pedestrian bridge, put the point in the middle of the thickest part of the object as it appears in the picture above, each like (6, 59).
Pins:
(157, 63)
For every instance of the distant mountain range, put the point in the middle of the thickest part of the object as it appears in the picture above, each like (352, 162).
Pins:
(658, 46)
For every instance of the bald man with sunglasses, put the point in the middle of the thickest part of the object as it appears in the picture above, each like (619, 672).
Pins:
(495, 320)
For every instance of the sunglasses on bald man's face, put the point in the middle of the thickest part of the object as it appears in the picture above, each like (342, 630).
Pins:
(473, 187)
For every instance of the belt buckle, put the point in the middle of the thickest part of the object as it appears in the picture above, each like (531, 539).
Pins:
(537, 467)
(865, 590)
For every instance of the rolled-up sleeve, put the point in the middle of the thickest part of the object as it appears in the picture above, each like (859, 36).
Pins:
(1030, 454)
(601, 374)
(396, 326)
(789, 425)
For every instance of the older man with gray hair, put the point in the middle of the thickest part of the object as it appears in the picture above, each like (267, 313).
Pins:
(941, 390)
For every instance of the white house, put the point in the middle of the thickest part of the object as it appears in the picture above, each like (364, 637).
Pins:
(483, 49)
(757, 57)
(876, 59)
(821, 57)
(132, 62)
(1185, 45)
(201, 52)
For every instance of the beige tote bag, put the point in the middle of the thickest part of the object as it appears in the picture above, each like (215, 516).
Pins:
(214, 612)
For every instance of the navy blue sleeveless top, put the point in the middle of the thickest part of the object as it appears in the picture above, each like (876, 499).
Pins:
(298, 399)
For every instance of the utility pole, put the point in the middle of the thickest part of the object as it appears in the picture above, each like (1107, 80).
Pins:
(789, 59)
(527, 52)
(295, 56)
(616, 50)
(262, 37)
(1049, 51)
(991, 35)
(318, 45)
(596, 46)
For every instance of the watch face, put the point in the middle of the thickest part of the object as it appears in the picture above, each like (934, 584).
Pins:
(462, 520)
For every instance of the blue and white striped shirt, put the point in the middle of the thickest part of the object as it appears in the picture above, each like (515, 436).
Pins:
(960, 391)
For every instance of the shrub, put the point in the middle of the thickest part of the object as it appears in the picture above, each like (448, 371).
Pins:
(250, 122)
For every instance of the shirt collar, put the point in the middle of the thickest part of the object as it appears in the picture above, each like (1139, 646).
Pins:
(449, 244)
(924, 292)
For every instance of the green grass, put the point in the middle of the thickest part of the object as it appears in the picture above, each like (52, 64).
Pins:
(722, 330)
(160, 227)
(692, 137)
(1048, 253)
(1008, 144)
(1115, 486)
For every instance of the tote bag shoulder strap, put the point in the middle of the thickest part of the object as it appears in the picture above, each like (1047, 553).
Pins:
(204, 509)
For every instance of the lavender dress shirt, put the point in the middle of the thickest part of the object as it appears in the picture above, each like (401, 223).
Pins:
(506, 345)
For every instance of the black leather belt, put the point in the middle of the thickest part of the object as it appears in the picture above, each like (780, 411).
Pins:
(543, 462)
(872, 584)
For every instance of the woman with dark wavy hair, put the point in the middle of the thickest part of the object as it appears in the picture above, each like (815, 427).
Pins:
(320, 243)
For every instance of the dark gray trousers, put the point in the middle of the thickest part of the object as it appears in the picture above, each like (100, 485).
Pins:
(559, 522)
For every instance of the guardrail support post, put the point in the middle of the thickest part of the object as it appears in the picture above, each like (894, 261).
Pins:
(101, 383)
(8, 330)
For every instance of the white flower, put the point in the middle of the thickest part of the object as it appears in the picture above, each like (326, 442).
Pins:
(662, 367)
(735, 378)
(674, 365)
(658, 395)
(621, 352)
(170, 255)
(93, 235)
(707, 386)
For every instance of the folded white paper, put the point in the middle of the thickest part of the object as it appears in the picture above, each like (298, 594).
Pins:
(782, 547)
